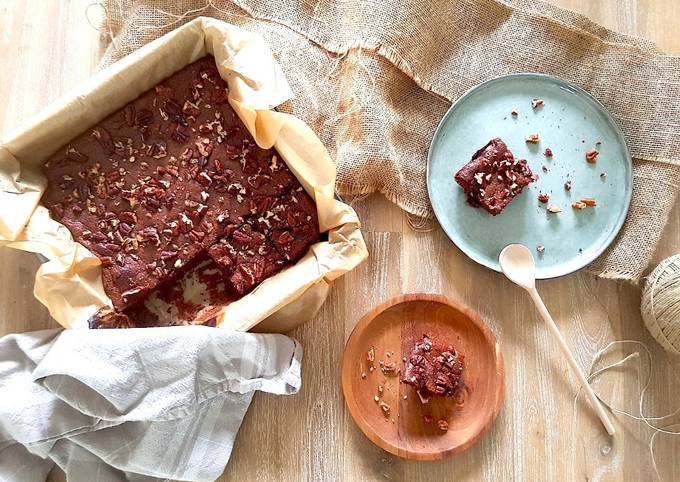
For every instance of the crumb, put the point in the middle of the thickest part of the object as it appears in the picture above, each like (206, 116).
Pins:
(603, 174)
(533, 138)
(540, 248)
(548, 152)
(544, 168)
(544, 198)
(443, 425)
(567, 185)
(535, 103)
(514, 113)
(376, 398)
(589, 201)
(363, 376)
(388, 368)
(591, 156)
(427, 419)
(405, 397)
(554, 208)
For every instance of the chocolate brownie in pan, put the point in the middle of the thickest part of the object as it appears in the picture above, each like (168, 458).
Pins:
(172, 176)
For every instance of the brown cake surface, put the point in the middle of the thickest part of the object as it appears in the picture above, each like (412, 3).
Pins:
(157, 183)
(493, 177)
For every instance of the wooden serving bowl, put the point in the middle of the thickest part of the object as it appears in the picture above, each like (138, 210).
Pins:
(395, 326)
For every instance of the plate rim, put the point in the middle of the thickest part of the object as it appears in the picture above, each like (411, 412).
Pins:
(365, 427)
(578, 90)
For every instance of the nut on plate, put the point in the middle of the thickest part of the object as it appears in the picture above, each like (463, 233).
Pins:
(533, 138)
(591, 156)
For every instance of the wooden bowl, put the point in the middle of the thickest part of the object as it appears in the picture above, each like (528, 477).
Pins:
(395, 326)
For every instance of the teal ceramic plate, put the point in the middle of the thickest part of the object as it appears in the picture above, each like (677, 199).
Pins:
(570, 123)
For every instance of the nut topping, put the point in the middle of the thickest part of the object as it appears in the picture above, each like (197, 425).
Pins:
(591, 156)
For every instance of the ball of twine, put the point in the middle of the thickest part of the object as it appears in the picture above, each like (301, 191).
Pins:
(661, 304)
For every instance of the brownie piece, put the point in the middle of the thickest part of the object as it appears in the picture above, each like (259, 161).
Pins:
(246, 258)
(157, 183)
(493, 177)
(290, 210)
(293, 242)
(433, 369)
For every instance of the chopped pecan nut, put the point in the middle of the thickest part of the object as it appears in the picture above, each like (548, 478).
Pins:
(370, 355)
(389, 368)
(591, 156)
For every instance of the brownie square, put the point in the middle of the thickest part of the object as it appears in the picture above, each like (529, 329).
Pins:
(290, 210)
(247, 258)
(493, 177)
(433, 369)
(292, 243)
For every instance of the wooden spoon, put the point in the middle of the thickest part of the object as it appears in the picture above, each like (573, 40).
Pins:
(518, 265)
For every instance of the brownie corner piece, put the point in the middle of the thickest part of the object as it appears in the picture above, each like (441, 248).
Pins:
(493, 177)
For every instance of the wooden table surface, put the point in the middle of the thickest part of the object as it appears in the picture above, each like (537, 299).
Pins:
(48, 47)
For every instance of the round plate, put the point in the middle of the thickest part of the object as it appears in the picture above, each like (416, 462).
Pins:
(570, 123)
(395, 326)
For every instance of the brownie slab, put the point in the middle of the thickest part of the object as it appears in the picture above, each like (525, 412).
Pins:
(493, 177)
(433, 370)
(157, 183)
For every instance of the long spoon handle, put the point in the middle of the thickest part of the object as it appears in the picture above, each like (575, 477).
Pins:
(572, 361)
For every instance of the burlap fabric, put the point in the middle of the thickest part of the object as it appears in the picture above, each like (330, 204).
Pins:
(373, 78)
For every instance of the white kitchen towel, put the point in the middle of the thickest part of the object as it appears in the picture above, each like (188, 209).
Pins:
(142, 404)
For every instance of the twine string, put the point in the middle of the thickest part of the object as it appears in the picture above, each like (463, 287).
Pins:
(646, 419)
(109, 31)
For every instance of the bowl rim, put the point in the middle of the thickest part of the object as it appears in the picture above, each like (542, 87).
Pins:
(348, 379)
